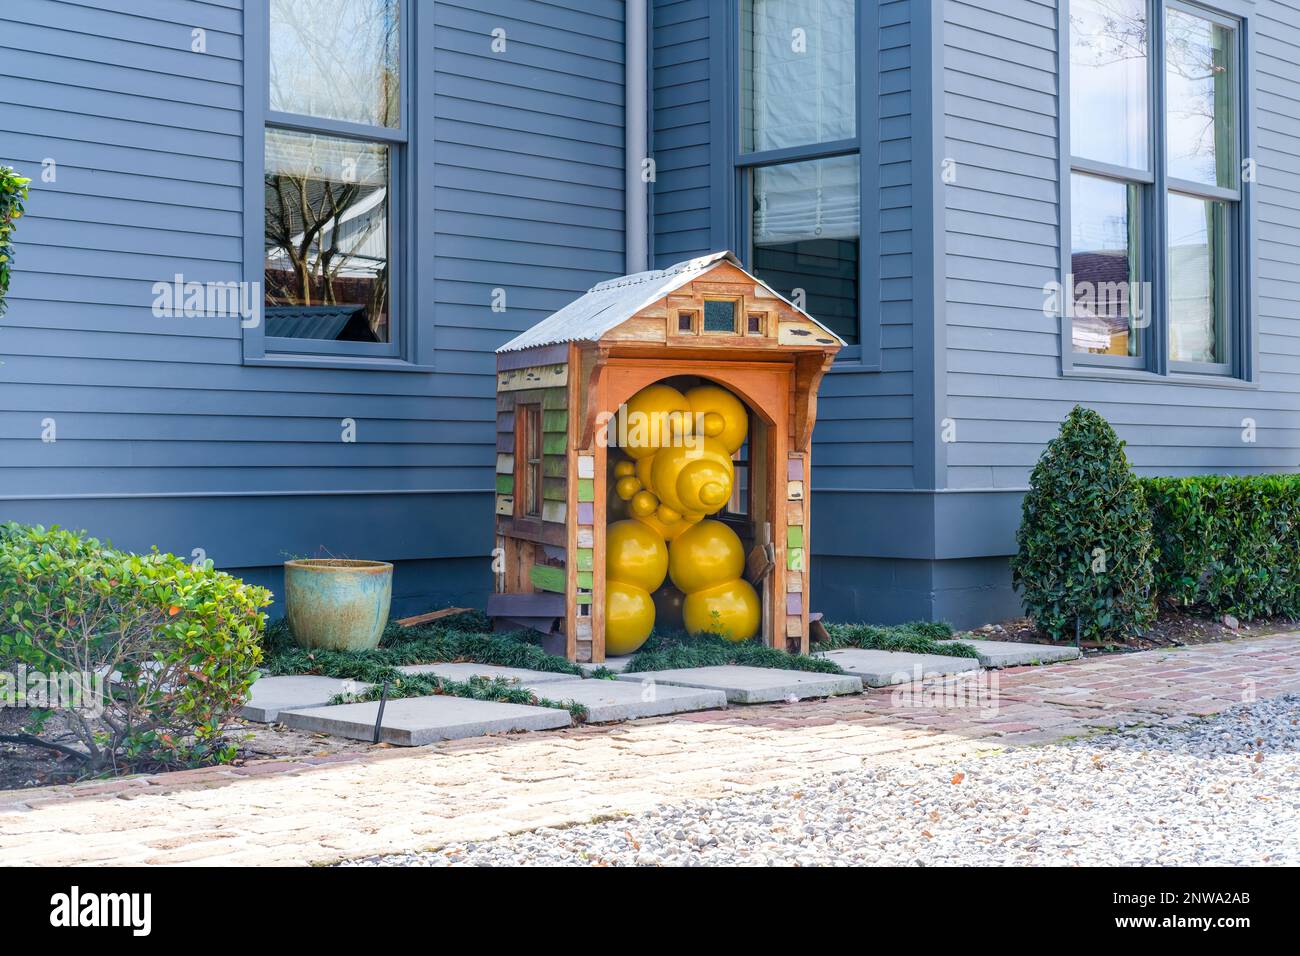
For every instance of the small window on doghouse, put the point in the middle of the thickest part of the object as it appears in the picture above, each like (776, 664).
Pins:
(528, 469)
(754, 325)
(685, 322)
(720, 315)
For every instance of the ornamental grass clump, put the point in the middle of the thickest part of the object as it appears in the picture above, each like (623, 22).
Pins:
(1085, 542)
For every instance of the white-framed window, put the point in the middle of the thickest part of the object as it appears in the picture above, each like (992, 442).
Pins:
(1157, 254)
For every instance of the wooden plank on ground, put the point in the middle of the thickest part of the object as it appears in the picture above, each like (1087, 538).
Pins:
(433, 616)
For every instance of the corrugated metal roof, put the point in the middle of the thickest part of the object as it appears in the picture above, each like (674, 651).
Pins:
(611, 303)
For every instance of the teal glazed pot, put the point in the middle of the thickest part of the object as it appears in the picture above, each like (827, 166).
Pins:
(336, 604)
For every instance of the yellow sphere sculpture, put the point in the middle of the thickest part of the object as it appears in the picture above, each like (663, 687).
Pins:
(693, 479)
(706, 562)
(730, 610)
(721, 415)
(635, 555)
(650, 418)
(681, 470)
(629, 617)
(704, 556)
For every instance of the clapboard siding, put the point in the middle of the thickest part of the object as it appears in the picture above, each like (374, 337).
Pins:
(164, 436)
(864, 431)
(1005, 390)
(680, 118)
(863, 438)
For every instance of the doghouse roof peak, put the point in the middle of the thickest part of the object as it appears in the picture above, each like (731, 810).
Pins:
(609, 304)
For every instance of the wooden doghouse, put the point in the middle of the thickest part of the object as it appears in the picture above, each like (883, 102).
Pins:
(559, 383)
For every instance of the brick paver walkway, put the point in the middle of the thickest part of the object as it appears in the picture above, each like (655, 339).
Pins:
(319, 809)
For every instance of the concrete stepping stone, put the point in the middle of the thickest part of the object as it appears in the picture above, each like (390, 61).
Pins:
(1011, 654)
(270, 695)
(754, 685)
(416, 721)
(615, 665)
(608, 700)
(885, 668)
(462, 671)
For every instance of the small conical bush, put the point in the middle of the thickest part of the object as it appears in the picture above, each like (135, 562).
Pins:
(1085, 541)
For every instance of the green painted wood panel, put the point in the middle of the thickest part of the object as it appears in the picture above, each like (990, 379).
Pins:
(548, 579)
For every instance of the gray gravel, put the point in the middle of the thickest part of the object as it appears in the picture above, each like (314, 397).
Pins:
(1224, 790)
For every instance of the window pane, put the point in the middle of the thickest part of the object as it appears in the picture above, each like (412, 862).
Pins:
(338, 60)
(1198, 279)
(1109, 81)
(1111, 303)
(1200, 83)
(719, 316)
(797, 73)
(327, 207)
(805, 230)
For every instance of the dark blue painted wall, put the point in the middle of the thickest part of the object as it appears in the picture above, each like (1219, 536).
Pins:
(164, 437)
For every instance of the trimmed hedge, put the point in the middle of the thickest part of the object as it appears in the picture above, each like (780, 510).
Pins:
(1085, 543)
(1228, 543)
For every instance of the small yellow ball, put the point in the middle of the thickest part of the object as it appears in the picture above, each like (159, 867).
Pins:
(625, 488)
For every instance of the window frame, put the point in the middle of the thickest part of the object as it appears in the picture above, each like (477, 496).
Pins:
(530, 473)
(1241, 338)
(731, 168)
(410, 201)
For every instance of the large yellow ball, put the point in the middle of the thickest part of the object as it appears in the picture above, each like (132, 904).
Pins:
(704, 556)
(651, 418)
(696, 479)
(730, 610)
(635, 554)
(629, 617)
(724, 415)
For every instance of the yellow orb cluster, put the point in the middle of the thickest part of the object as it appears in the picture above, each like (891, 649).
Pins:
(678, 471)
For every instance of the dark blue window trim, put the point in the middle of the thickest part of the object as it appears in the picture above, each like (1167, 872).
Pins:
(1242, 370)
(412, 348)
(729, 227)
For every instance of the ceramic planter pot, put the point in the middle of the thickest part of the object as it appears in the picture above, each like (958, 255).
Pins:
(337, 604)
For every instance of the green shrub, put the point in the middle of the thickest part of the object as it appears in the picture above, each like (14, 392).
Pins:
(176, 647)
(1228, 543)
(13, 196)
(1085, 542)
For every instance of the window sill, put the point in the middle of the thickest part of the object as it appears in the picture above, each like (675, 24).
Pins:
(347, 362)
(849, 359)
(1099, 374)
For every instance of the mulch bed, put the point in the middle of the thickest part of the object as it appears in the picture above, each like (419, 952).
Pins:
(23, 767)
(1173, 628)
